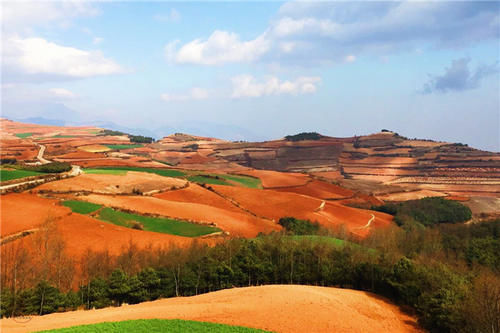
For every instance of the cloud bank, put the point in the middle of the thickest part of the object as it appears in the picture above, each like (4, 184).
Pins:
(314, 33)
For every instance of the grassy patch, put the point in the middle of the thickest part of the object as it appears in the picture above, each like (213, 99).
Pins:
(105, 171)
(245, 181)
(157, 325)
(24, 135)
(208, 179)
(16, 174)
(122, 170)
(156, 224)
(81, 207)
(316, 238)
(120, 147)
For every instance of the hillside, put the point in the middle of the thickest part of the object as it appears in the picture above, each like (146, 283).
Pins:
(276, 308)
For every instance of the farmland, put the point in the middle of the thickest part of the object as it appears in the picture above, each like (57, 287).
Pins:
(163, 225)
(144, 211)
(10, 174)
(125, 146)
(123, 170)
(81, 207)
(156, 325)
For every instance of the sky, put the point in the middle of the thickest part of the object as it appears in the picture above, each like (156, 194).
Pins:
(257, 70)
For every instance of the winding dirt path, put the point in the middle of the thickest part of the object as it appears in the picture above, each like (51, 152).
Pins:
(40, 154)
(369, 223)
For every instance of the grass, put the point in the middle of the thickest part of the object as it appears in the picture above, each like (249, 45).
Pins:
(123, 170)
(245, 181)
(119, 147)
(81, 207)
(317, 238)
(16, 174)
(203, 179)
(157, 325)
(105, 171)
(24, 135)
(156, 224)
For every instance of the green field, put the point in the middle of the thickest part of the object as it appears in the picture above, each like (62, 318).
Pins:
(245, 181)
(24, 135)
(16, 174)
(156, 224)
(105, 171)
(157, 325)
(81, 207)
(207, 180)
(119, 147)
(123, 170)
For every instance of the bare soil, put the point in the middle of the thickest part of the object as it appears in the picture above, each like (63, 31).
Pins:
(277, 308)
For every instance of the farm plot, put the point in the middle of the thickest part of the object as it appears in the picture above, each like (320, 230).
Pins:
(156, 325)
(10, 174)
(156, 224)
(123, 169)
(131, 182)
(124, 146)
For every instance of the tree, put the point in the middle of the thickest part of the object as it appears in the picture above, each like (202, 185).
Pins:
(118, 286)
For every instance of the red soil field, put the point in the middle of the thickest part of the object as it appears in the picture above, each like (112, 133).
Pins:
(321, 190)
(26, 211)
(458, 198)
(81, 233)
(237, 224)
(272, 179)
(277, 308)
(332, 175)
(196, 194)
(274, 205)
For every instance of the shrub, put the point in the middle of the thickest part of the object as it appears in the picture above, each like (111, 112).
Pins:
(299, 227)
(304, 136)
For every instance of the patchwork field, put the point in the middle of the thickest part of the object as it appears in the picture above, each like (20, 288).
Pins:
(113, 183)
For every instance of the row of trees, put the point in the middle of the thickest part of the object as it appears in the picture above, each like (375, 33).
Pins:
(133, 138)
(449, 289)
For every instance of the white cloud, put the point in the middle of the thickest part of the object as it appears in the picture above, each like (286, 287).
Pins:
(173, 16)
(221, 47)
(194, 93)
(97, 40)
(39, 57)
(248, 86)
(317, 33)
(22, 14)
(62, 93)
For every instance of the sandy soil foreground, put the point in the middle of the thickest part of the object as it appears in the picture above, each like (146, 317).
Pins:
(278, 308)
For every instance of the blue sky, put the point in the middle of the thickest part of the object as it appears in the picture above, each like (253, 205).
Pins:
(258, 70)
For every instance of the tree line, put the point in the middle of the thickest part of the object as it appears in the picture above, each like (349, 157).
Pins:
(453, 286)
